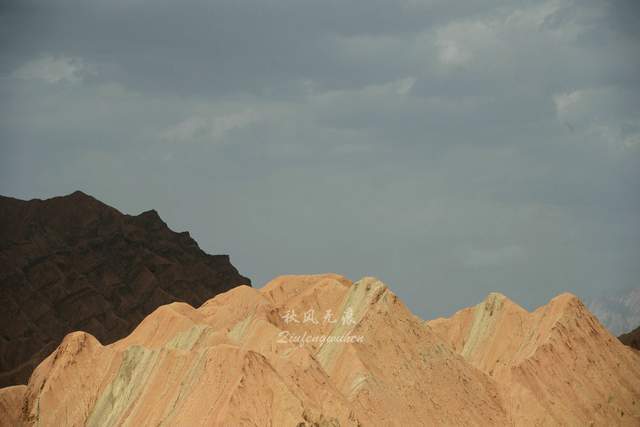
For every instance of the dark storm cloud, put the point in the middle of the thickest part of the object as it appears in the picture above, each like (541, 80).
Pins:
(217, 47)
(451, 148)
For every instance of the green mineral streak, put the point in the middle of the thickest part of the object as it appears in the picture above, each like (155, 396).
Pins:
(137, 364)
(360, 297)
(186, 340)
(482, 322)
(186, 387)
(239, 329)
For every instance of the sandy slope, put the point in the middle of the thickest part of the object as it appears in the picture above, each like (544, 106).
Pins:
(556, 365)
(224, 364)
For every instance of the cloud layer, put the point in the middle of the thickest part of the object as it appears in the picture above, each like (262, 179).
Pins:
(450, 148)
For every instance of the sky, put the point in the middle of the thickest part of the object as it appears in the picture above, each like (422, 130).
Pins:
(448, 148)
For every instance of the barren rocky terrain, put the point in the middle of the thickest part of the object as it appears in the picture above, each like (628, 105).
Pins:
(73, 263)
(323, 351)
(632, 339)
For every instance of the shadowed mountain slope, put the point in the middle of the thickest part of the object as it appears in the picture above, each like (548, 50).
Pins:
(632, 339)
(73, 263)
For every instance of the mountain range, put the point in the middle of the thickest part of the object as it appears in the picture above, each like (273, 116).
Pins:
(112, 319)
(320, 350)
(73, 263)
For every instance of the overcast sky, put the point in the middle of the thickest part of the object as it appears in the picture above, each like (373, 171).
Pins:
(450, 148)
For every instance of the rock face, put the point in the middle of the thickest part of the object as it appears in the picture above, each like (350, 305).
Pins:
(557, 365)
(257, 357)
(632, 339)
(73, 263)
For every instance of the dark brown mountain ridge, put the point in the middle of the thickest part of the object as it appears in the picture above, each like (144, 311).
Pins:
(632, 338)
(74, 263)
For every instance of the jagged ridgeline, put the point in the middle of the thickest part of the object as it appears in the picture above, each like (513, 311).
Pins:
(73, 263)
(264, 357)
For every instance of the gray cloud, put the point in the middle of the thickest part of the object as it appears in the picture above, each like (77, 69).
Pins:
(450, 148)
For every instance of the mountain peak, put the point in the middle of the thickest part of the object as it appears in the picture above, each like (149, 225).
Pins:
(78, 198)
(152, 218)
(226, 363)
(567, 299)
(75, 263)
(496, 302)
(542, 354)
(79, 194)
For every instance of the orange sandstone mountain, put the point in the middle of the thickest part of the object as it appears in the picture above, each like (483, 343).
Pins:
(73, 263)
(557, 365)
(322, 351)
